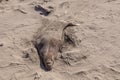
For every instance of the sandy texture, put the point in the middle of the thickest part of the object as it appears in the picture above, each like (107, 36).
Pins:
(95, 54)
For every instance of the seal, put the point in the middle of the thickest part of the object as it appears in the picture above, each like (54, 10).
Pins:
(48, 48)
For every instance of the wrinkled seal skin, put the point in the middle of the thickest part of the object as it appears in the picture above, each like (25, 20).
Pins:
(48, 51)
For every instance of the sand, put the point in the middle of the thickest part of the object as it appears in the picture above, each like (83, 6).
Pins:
(95, 54)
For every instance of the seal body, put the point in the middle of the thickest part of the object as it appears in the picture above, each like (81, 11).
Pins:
(48, 51)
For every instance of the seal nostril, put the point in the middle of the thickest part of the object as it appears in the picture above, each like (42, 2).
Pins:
(48, 63)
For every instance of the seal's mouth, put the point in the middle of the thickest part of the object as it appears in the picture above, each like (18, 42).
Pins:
(49, 68)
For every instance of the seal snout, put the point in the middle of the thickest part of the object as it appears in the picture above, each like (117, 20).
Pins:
(49, 64)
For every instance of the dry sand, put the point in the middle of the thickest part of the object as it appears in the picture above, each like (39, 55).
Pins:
(96, 57)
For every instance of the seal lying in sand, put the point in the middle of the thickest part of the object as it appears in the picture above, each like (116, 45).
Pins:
(48, 48)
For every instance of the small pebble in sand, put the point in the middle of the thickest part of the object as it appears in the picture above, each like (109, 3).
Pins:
(1, 44)
(25, 54)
